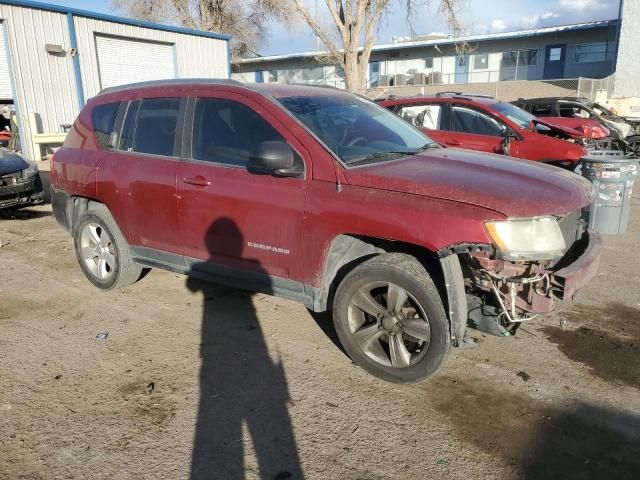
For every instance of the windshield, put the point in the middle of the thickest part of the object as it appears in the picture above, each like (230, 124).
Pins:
(357, 130)
(515, 114)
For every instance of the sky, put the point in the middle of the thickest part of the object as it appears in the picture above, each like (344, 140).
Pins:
(478, 16)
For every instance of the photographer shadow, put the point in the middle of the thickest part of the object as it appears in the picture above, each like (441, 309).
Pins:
(241, 387)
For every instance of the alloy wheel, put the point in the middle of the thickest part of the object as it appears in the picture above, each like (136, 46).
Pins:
(97, 251)
(389, 324)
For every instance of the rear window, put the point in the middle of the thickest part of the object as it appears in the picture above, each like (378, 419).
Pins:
(103, 118)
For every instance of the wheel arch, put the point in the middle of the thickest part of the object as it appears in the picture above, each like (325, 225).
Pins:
(347, 251)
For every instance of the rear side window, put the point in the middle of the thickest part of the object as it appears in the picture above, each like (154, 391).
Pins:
(103, 118)
(156, 127)
(225, 131)
(468, 120)
(150, 126)
(542, 110)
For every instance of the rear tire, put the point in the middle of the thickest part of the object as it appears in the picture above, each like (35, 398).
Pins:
(103, 252)
(390, 319)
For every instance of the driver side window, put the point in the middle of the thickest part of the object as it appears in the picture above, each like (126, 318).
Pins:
(225, 131)
(469, 120)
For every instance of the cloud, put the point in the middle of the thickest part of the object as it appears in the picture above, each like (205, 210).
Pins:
(582, 5)
(498, 25)
(559, 12)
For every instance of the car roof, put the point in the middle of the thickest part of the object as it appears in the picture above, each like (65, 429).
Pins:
(554, 100)
(274, 90)
(441, 99)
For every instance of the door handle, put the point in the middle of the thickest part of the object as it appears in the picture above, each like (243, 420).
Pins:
(454, 143)
(199, 181)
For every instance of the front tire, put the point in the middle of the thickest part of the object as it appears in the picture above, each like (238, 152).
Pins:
(103, 252)
(390, 319)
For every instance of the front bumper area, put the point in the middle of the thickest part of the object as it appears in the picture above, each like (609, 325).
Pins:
(582, 262)
(16, 192)
(520, 290)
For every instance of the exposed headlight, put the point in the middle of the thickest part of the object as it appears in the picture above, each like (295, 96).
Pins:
(30, 171)
(538, 238)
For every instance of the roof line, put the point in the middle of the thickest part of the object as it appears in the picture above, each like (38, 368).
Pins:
(442, 41)
(112, 18)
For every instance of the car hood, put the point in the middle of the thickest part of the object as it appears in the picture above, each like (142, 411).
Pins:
(11, 162)
(562, 129)
(512, 187)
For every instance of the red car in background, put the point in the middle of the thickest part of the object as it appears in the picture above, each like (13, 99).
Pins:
(477, 122)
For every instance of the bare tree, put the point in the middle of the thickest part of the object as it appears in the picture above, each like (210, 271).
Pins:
(244, 20)
(357, 23)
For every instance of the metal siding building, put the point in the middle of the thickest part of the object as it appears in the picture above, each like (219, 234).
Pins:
(55, 84)
(521, 55)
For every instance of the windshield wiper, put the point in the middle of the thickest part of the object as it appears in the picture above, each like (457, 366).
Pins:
(377, 155)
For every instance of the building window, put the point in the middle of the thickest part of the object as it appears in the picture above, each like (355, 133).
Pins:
(590, 52)
(273, 76)
(521, 58)
(481, 61)
(428, 62)
(555, 54)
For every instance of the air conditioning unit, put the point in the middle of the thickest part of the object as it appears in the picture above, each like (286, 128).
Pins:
(419, 79)
(401, 79)
(435, 78)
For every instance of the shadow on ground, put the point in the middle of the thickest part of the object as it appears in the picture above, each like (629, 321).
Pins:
(612, 350)
(580, 441)
(242, 389)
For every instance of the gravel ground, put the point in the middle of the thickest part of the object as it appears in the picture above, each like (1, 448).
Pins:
(200, 381)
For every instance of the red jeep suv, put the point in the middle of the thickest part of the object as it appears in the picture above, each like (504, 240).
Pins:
(479, 122)
(321, 196)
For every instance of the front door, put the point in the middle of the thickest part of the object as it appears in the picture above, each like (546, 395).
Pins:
(462, 69)
(475, 130)
(554, 61)
(233, 222)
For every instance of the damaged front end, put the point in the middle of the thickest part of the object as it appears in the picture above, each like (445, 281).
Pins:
(504, 288)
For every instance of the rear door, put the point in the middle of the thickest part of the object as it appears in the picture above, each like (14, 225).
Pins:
(137, 179)
(474, 129)
(233, 221)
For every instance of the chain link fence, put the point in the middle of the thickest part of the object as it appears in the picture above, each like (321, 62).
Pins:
(508, 90)
(592, 88)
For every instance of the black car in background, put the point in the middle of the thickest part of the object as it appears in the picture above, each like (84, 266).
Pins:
(20, 183)
(624, 131)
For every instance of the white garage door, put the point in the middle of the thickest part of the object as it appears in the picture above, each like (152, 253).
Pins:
(5, 81)
(123, 60)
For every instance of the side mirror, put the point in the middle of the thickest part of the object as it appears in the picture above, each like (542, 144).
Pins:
(274, 158)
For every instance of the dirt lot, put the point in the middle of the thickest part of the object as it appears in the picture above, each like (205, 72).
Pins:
(201, 381)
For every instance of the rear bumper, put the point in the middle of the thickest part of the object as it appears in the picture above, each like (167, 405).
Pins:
(586, 260)
(22, 194)
(59, 204)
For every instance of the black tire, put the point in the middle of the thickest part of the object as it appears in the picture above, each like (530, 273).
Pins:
(124, 271)
(408, 273)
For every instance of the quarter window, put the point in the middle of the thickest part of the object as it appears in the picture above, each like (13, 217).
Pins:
(468, 120)
(103, 118)
(225, 132)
